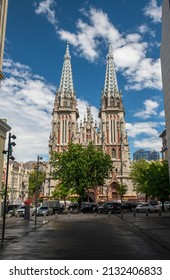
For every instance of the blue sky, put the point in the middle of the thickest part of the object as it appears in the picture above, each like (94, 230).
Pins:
(35, 45)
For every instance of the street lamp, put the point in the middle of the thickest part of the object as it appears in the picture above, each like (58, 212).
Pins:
(119, 125)
(36, 192)
(9, 156)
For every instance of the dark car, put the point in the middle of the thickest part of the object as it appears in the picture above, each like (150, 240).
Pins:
(129, 206)
(88, 207)
(58, 208)
(73, 206)
(110, 207)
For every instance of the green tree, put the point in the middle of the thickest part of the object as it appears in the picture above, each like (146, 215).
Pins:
(151, 178)
(158, 180)
(80, 169)
(33, 181)
(61, 192)
(122, 190)
(139, 176)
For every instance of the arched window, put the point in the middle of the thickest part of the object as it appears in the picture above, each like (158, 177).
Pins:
(113, 153)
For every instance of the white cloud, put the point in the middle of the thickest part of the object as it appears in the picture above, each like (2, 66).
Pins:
(46, 7)
(146, 75)
(87, 37)
(130, 51)
(145, 135)
(162, 114)
(147, 128)
(152, 143)
(153, 11)
(150, 109)
(144, 28)
(29, 101)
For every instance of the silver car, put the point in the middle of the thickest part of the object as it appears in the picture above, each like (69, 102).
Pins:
(44, 211)
(145, 207)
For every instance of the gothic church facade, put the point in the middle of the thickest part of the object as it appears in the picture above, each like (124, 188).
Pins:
(109, 133)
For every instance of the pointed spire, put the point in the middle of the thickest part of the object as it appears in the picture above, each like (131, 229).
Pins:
(66, 83)
(110, 85)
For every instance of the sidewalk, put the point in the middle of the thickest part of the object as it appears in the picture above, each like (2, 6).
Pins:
(17, 227)
(156, 227)
(153, 225)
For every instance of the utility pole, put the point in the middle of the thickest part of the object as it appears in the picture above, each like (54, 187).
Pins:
(36, 192)
(9, 156)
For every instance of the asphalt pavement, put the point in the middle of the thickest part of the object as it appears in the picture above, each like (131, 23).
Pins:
(88, 236)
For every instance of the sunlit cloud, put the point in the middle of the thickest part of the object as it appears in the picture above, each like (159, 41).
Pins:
(153, 11)
(46, 8)
(130, 51)
(150, 109)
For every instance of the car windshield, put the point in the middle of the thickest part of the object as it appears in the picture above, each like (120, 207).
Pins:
(21, 207)
(43, 208)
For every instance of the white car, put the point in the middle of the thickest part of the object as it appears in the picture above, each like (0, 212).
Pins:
(145, 207)
(167, 205)
(20, 211)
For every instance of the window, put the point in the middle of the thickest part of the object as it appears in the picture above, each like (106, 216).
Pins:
(113, 153)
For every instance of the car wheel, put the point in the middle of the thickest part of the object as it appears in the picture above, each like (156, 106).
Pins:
(137, 210)
(149, 210)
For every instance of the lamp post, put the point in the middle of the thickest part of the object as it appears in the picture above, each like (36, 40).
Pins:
(119, 125)
(9, 156)
(36, 191)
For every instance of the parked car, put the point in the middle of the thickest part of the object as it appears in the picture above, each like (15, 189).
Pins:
(72, 206)
(58, 208)
(55, 205)
(167, 205)
(145, 207)
(11, 209)
(88, 207)
(110, 207)
(156, 205)
(129, 206)
(44, 211)
(20, 211)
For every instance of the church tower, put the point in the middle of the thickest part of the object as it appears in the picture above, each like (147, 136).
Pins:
(108, 133)
(65, 112)
(112, 118)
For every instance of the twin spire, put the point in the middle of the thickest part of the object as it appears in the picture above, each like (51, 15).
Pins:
(110, 85)
(66, 87)
(66, 83)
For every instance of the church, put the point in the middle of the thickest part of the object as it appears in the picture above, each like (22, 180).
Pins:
(109, 133)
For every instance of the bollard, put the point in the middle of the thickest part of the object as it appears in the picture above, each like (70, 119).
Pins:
(160, 213)
(121, 214)
(109, 213)
(134, 213)
(68, 214)
(146, 212)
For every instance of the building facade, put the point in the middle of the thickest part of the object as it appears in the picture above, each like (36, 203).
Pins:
(18, 182)
(3, 18)
(109, 133)
(164, 150)
(165, 65)
(147, 155)
(4, 128)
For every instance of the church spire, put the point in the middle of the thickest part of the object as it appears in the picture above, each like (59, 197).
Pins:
(66, 83)
(110, 85)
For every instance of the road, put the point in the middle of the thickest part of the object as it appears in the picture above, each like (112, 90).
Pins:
(95, 237)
